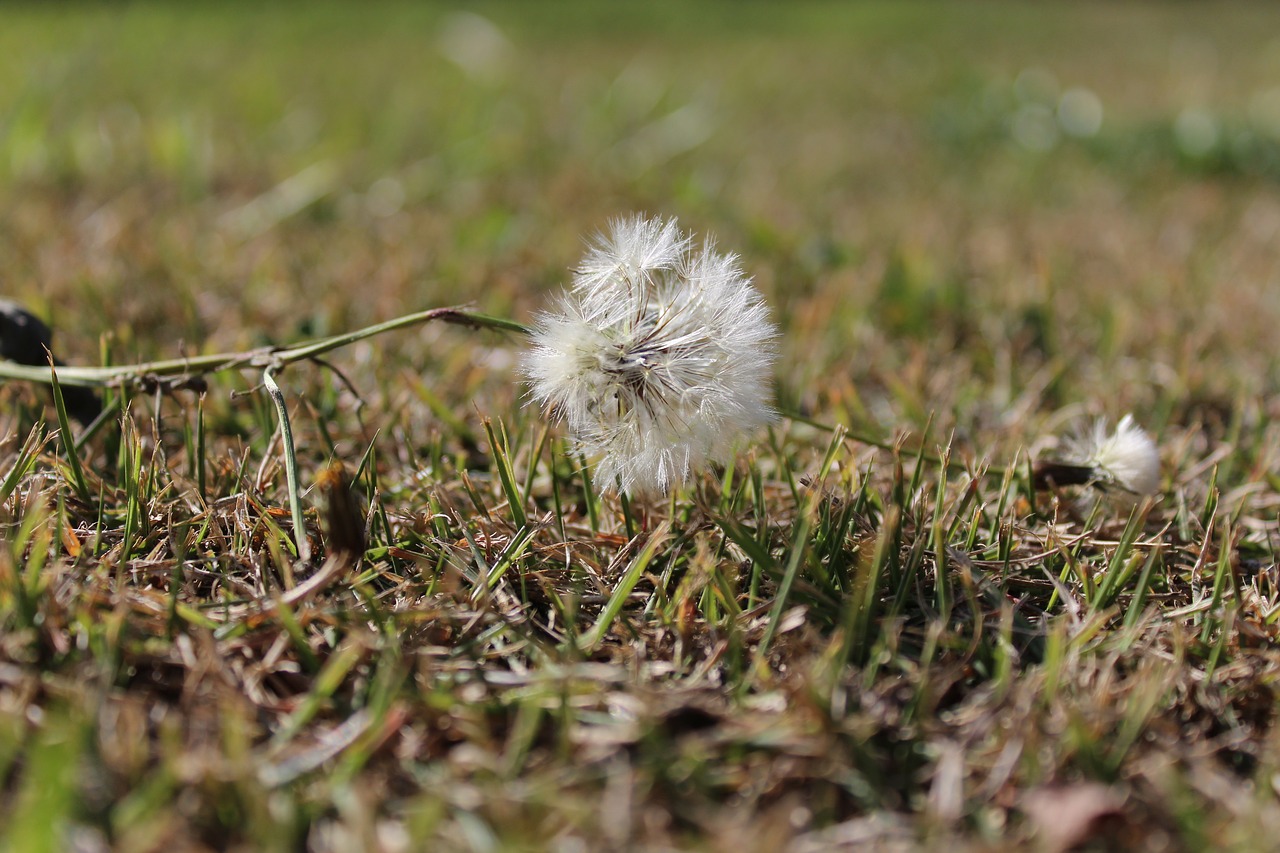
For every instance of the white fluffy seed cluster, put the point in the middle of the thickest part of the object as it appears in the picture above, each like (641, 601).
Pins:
(1126, 459)
(658, 358)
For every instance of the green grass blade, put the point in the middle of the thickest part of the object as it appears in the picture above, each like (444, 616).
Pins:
(591, 640)
(24, 462)
(67, 437)
(506, 474)
(799, 547)
(300, 538)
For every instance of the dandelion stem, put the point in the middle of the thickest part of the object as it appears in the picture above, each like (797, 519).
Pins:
(260, 358)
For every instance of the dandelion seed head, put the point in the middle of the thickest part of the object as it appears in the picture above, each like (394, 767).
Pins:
(658, 358)
(1126, 459)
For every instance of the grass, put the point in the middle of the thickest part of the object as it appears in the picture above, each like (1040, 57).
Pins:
(827, 643)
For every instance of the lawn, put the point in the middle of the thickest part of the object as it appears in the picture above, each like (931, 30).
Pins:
(979, 227)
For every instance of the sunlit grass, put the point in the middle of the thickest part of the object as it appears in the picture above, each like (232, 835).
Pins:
(824, 642)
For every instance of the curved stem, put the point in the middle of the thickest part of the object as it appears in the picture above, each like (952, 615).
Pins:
(260, 358)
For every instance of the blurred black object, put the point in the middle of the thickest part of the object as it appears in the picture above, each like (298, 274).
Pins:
(26, 340)
(1050, 475)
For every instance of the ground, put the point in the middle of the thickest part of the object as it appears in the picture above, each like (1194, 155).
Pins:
(979, 227)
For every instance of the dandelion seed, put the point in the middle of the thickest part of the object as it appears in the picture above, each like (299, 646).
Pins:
(1126, 460)
(658, 358)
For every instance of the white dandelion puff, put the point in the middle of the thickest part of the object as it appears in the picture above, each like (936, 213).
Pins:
(637, 250)
(658, 358)
(1123, 460)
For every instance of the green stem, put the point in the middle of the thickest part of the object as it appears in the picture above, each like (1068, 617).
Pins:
(261, 358)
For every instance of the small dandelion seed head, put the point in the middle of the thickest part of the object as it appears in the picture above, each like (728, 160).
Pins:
(658, 358)
(1126, 459)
